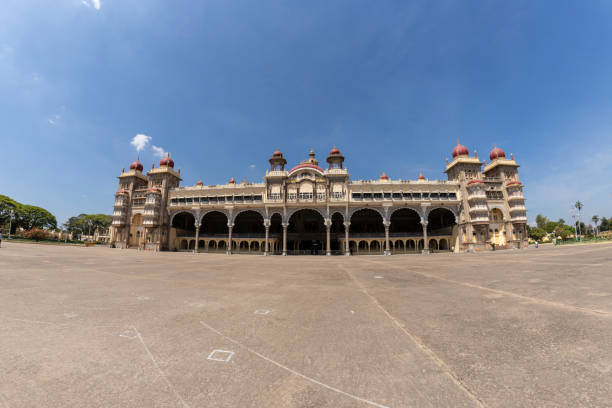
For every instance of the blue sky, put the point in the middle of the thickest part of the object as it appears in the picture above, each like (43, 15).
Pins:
(222, 84)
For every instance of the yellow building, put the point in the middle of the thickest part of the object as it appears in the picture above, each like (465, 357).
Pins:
(312, 210)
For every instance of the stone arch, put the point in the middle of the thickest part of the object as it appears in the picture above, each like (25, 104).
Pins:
(214, 223)
(441, 221)
(175, 213)
(443, 245)
(367, 221)
(290, 213)
(184, 244)
(352, 211)
(452, 209)
(417, 210)
(433, 245)
(405, 221)
(249, 223)
(206, 212)
(257, 210)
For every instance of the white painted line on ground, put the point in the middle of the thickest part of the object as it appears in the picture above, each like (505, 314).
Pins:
(221, 355)
(262, 311)
(159, 370)
(378, 277)
(143, 298)
(129, 334)
(70, 315)
(312, 380)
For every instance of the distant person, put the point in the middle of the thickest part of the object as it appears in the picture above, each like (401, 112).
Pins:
(536, 244)
(0, 239)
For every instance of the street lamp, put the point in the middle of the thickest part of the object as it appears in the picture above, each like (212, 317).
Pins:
(10, 224)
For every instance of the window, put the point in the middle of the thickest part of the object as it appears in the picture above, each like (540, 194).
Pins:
(338, 194)
(320, 196)
(367, 196)
(292, 196)
(356, 196)
(257, 198)
(397, 196)
(378, 196)
(387, 196)
(305, 196)
(229, 199)
(274, 196)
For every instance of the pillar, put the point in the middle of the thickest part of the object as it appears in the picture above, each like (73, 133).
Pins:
(285, 226)
(387, 246)
(230, 226)
(328, 224)
(197, 237)
(347, 248)
(267, 243)
(460, 238)
(425, 240)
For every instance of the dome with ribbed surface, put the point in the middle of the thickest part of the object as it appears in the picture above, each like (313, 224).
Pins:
(497, 153)
(167, 161)
(137, 165)
(460, 150)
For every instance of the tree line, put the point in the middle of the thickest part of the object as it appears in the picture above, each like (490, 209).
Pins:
(25, 216)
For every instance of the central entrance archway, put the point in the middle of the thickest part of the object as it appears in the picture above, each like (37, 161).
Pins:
(306, 233)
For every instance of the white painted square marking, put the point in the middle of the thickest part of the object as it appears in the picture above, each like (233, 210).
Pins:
(262, 311)
(129, 334)
(378, 277)
(221, 355)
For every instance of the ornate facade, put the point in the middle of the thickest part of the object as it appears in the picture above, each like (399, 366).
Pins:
(311, 210)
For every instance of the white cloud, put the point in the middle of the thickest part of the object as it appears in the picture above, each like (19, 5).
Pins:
(140, 141)
(54, 119)
(158, 151)
(95, 3)
(252, 166)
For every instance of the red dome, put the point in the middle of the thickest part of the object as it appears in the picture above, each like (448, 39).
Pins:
(497, 153)
(277, 153)
(167, 161)
(137, 165)
(460, 150)
(421, 176)
(199, 183)
(232, 181)
(334, 151)
(383, 176)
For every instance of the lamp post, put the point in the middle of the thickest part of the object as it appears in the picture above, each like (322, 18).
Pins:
(10, 224)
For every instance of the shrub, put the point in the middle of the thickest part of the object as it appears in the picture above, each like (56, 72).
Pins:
(36, 234)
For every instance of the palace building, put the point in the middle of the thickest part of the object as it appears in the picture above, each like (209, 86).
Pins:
(309, 209)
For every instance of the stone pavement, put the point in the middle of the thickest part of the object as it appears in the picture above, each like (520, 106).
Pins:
(100, 327)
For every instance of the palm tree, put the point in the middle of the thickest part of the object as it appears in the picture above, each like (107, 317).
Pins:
(595, 220)
(579, 207)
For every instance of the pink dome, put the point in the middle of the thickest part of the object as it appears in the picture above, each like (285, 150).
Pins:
(232, 181)
(199, 183)
(277, 153)
(137, 165)
(334, 151)
(383, 176)
(460, 150)
(167, 161)
(497, 153)
(421, 176)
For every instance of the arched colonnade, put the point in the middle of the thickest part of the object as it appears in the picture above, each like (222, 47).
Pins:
(368, 230)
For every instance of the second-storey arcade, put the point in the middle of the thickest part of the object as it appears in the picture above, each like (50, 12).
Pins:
(311, 210)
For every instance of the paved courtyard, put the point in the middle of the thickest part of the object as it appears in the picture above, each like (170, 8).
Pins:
(99, 327)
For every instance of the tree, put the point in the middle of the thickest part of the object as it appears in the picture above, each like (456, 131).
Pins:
(550, 226)
(537, 234)
(604, 224)
(24, 216)
(595, 220)
(84, 223)
(36, 234)
(541, 221)
(561, 221)
(579, 206)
